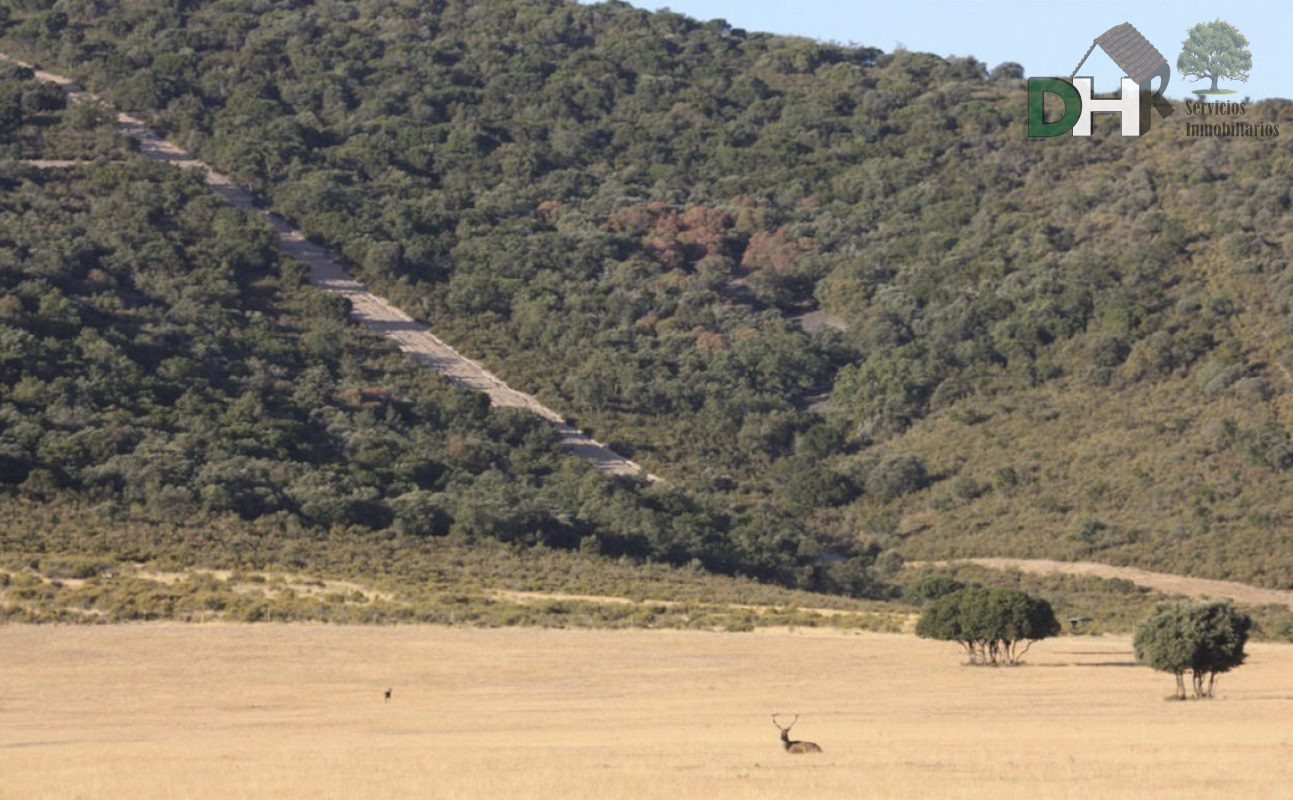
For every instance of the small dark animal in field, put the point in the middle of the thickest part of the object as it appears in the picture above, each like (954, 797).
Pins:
(388, 695)
(792, 745)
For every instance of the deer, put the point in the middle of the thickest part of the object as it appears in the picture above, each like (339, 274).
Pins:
(792, 745)
(388, 695)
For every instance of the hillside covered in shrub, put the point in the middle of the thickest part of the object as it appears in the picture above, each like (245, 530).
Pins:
(833, 294)
(167, 375)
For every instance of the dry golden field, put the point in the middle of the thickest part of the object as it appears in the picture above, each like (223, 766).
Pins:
(173, 711)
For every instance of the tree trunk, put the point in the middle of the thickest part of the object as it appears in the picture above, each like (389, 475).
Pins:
(1020, 655)
(1180, 686)
(1214, 81)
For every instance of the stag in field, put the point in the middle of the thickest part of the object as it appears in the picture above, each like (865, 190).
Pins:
(793, 745)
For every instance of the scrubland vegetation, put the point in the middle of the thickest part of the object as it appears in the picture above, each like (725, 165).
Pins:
(392, 581)
(1076, 349)
(829, 293)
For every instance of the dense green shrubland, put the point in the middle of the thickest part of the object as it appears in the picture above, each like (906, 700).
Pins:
(162, 364)
(1076, 348)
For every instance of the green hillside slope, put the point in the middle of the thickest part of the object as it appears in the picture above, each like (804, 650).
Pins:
(1072, 348)
(174, 391)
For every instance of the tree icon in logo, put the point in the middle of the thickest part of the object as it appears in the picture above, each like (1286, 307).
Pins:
(1215, 50)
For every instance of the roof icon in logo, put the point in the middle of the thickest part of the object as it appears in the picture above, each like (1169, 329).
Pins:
(1134, 54)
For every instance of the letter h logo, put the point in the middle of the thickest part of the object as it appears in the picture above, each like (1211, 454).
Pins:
(1079, 106)
(1137, 57)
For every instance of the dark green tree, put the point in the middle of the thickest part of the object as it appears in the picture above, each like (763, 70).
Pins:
(1215, 50)
(1203, 638)
(995, 626)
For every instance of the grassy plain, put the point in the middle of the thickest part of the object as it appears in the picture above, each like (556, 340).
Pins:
(242, 711)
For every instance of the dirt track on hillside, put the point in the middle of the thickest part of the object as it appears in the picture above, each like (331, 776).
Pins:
(376, 313)
(1159, 581)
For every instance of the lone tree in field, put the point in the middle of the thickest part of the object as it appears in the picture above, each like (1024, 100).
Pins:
(995, 626)
(1204, 638)
(1215, 50)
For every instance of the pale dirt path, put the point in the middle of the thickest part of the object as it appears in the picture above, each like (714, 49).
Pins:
(376, 313)
(55, 163)
(1160, 581)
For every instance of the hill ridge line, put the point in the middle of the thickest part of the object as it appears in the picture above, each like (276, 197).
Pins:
(372, 311)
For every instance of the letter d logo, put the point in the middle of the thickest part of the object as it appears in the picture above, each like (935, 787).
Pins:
(1038, 88)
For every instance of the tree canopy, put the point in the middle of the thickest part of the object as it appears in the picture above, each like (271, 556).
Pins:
(1204, 638)
(995, 626)
(1215, 50)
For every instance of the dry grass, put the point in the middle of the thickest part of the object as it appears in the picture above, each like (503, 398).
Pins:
(165, 711)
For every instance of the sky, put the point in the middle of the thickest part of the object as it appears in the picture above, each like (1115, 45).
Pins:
(1048, 37)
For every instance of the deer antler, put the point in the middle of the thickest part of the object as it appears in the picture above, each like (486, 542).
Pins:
(788, 727)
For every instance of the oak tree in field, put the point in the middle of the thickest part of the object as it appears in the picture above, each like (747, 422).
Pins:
(1215, 50)
(995, 626)
(1204, 638)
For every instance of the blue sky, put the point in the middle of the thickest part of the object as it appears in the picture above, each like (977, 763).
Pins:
(1047, 36)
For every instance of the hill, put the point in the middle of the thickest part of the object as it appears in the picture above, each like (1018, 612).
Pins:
(176, 395)
(1069, 348)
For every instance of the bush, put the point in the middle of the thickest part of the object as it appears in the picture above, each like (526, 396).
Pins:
(896, 476)
(1268, 445)
(932, 587)
(1006, 71)
(421, 513)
